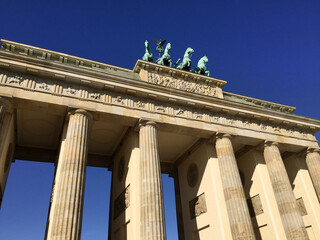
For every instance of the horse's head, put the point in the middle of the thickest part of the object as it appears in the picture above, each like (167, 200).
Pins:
(146, 43)
(204, 59)
(189, 51)
(168, 47)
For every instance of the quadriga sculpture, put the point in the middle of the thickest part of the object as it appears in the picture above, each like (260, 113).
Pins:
(148, 54)
(186, 62)
(201, 67)
(165, 58)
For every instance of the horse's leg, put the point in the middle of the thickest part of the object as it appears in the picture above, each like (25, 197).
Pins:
(207, 72)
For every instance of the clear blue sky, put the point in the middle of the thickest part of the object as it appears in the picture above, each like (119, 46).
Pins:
(264, 49)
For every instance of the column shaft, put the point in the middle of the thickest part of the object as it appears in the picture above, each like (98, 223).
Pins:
(239, 217)
(6, 141)
(289, 212)
(70, 178)
(313, 163)
(152, 210)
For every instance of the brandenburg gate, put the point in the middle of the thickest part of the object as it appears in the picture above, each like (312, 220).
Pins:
(243, 168)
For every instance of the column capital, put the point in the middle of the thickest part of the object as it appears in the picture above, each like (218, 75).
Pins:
(144, 122)
(270, 143)
(312, 150)
(80, 111)
(220, 135)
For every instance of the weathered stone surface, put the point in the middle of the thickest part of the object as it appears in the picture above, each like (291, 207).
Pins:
(151, 209)
(68, 193)
(239, 217)
(313, 163)
(288, 208)
(197, 206)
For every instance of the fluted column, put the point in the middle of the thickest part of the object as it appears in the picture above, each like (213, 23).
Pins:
(289, 212)
(239, 217)
(70, 178)
(151, 209)
(313, 163)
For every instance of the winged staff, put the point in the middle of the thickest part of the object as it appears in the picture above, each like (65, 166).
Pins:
(160, 44)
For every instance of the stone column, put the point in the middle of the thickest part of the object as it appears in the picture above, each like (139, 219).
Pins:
(151, 209)
(313, 163)
(68, 193)
(289, 212)
(238, 212)
(6, 147)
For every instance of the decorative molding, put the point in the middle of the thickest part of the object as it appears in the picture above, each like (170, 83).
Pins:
(58, 87)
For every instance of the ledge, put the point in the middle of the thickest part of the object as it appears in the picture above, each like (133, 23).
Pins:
(258, 103)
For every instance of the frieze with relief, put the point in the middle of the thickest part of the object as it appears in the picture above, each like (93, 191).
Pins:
(188, 86)
(106, 97)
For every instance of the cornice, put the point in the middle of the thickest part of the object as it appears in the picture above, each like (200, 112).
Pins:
(130, 82)
(258, 102)
(52, 56)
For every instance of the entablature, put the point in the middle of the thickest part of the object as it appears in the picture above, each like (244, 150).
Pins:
(136, 94)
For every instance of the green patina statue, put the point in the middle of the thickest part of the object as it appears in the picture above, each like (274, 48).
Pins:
(186, 61)
(160, 44)
(148, 55)
(165, 59)
(201, 67)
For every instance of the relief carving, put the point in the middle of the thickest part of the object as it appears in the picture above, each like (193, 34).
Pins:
(140, 104)
(189, 86)
(255, 206)
(197, 115)
(44, 86)
(15, 80)
(95, 96)
(302, 207)
(118, 100)
(160, 108)
(71, 91)
(197, 206)
(121, 203)
(179, 112)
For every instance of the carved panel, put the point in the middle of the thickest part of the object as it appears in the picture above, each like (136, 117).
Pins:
(255, 206)
(121, 203)
(189, 86)
(302, 207)
(197, 206)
